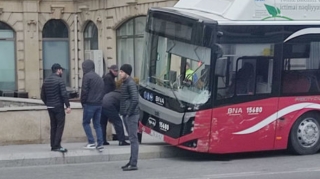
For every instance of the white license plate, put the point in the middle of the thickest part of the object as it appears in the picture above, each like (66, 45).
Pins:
(157, 135)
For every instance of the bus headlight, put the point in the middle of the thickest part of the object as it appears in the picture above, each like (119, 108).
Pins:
(188, 126)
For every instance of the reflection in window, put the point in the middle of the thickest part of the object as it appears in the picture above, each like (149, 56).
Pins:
(55, 29)
(130, 42)
(7, 58)
(91, 37)
(56, 48)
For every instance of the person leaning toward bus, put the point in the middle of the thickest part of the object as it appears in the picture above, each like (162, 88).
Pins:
(54, 95)
(91, 100)
(110, 111)
(109, 86)
(129, 109)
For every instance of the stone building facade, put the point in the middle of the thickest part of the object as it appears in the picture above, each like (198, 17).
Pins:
(34, 34)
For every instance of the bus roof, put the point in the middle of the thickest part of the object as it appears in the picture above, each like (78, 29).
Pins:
(253, 10)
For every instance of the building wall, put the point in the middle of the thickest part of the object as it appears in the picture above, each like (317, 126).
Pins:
(28, 17)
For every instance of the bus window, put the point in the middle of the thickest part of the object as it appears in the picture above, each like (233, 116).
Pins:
(249, 70)
(244, 79)
(301, 66)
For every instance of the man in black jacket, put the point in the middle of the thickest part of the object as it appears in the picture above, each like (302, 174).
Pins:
(91, 100)
(109, 79)
(129, 109)
(54, 96)
(110, 111)
(109, 85)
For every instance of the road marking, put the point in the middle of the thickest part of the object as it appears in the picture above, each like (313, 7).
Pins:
(247, 174)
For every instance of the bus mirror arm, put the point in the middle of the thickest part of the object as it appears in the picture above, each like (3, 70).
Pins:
(218, 49)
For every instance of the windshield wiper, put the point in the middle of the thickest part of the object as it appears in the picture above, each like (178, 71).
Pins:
(171, 88)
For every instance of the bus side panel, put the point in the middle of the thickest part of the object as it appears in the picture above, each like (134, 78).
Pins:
(290, 109)
(201, 131)
(244, 127)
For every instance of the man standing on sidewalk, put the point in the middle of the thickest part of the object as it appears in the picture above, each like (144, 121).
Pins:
(129, 109)
(110, 111)
(54, 95)
(91, 100)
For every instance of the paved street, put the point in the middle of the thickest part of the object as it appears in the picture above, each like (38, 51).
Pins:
(243, 166)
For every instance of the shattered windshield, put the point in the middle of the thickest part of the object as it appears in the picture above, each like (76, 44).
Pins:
(177, 69)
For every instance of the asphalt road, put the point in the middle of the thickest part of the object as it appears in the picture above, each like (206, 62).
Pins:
(275, 165)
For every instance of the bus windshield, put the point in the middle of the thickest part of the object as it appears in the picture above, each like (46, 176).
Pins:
(176, 69)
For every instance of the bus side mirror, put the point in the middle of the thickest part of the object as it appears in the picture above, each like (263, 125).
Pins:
(221, 67)
(218, 50)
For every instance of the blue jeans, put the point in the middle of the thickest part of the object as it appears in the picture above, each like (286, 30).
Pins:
(94, 113)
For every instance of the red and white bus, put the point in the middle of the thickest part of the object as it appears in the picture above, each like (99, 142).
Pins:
(228, 76)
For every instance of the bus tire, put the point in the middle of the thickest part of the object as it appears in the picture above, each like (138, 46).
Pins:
(305, 134)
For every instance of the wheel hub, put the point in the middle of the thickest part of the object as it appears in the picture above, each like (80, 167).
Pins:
(308, 132)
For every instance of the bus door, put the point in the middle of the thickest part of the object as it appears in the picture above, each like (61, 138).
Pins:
(244, 122)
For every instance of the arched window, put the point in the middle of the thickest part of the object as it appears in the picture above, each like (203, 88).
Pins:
(130, 38)
(91, 37)
(55, 36)
(7, 58)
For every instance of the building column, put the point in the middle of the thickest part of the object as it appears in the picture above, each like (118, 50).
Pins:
(31, 48)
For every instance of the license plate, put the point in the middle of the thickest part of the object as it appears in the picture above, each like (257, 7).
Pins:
(157, 135)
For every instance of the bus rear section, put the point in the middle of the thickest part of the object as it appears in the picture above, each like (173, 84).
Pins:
(268, 95)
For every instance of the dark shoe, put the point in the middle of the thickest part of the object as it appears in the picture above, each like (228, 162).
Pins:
(61, 149)
(123, 143)
(130, 168)
(127, 165)
(106, 143)
(139, 137)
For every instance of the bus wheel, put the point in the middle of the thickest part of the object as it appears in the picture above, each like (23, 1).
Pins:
(305, 135)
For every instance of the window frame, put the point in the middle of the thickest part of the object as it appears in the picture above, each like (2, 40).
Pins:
(307, 73)
(52, 39)
(6, 26)
(92, 38)
(134, 36)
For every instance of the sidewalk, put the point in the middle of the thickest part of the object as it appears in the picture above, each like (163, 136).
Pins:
(40, 154)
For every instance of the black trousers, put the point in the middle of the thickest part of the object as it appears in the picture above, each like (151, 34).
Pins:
(57, 121)
(111, 113)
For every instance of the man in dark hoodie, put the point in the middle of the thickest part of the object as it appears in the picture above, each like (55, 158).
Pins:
(109, 79)
(129, 109)
(110, 111)
(91, 100)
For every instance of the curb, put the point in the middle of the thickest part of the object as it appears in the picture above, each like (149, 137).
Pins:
(85, 156)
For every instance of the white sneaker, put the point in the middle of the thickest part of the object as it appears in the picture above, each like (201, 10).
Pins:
(90, 146)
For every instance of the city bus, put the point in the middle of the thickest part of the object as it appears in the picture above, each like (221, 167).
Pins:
(231, 76)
